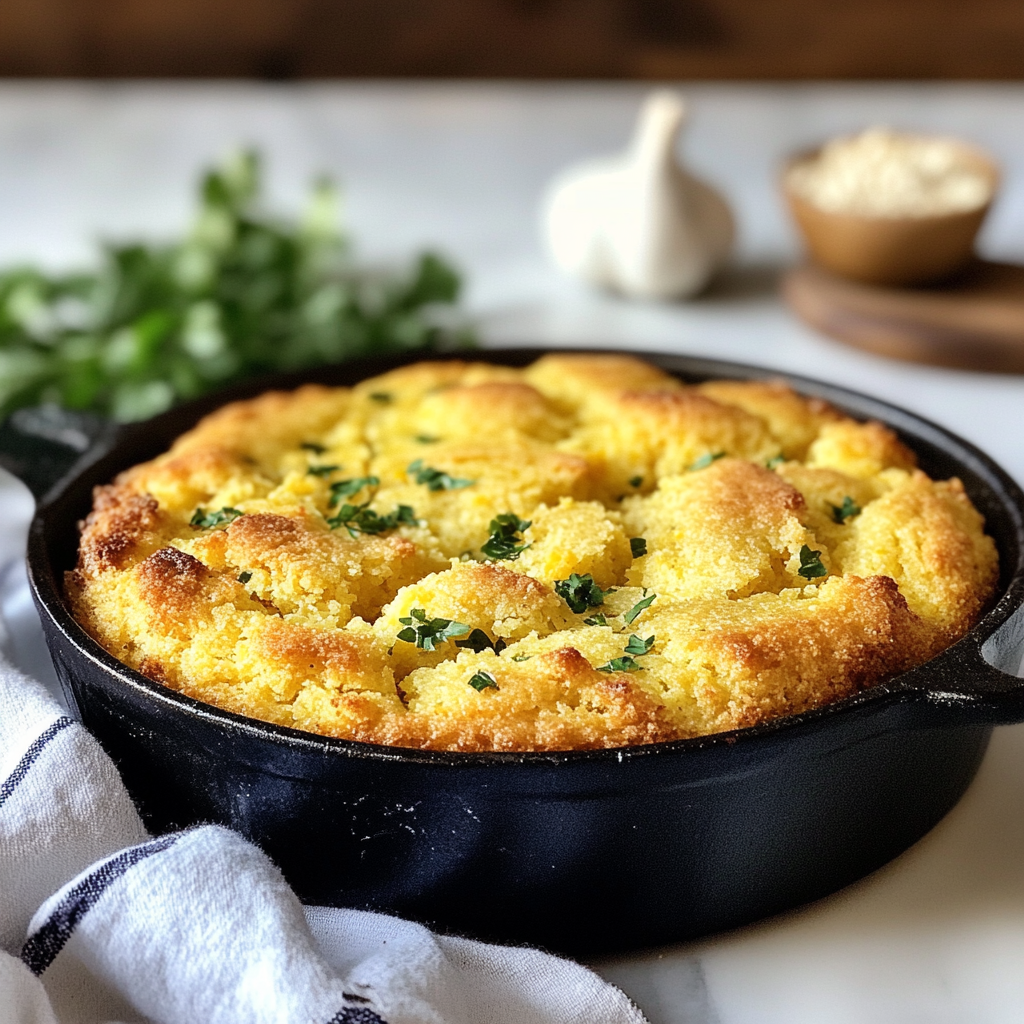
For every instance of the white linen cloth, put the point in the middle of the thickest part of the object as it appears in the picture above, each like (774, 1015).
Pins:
(101, 923)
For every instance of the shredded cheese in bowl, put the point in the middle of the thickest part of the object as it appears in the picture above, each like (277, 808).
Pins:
(882, 173)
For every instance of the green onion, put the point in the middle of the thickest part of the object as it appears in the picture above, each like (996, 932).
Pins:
(428, 633)
(810, 564)
(204, 520)
(580, 592)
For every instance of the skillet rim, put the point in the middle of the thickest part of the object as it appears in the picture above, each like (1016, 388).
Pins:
(966, 655)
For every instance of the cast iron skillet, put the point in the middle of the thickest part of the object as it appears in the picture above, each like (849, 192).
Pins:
(584, 851)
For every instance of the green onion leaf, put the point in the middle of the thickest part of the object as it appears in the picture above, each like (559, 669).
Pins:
(810, 564)
(348, 488)
(705, 460)
(624, 664)
(631, 616)
(483, 681)
(638, 546)
(638, 646)
(596, 620)
(580, 592)
(505, 541)
(204, 520)
(322, 470)
(435, 479)
(428, 633)
(848, 509)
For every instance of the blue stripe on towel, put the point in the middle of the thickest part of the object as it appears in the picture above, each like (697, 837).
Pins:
(356, 1015)
(21, 769)
(41, 949)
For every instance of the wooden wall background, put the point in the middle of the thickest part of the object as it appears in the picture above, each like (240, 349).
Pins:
(514, 38)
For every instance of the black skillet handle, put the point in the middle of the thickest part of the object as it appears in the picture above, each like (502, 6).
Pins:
(978, 680)
(40, 445)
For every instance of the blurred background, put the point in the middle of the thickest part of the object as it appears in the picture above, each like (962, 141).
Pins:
(738, 39)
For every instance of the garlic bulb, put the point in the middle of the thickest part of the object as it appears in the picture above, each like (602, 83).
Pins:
(638, 223)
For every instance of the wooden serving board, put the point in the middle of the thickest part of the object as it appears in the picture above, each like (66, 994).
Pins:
(975, 321)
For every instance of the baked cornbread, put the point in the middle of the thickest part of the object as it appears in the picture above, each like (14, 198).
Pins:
(582, 553)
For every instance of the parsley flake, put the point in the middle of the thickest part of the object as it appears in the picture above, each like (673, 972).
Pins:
(479, 641)
(322, 470)
(639, 646)
(428, 633)
(204, 520)
(436, 479)
(633, 614)
(310, 446)
(381, 397)
(623, 664)
(348, 488)
(705, 460)
(596, 620)
(848, 509)
(775, 462)
(638, 545)
(580, 592)
(427, 439)
(244, 577)
(360, 519)
(504, 542)
(483, 681)
(810, 564)
(636, 481)
(521, 657)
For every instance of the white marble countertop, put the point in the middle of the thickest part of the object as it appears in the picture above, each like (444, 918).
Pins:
(937, 936)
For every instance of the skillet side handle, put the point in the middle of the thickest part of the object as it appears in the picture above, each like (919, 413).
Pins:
(40, 445)
(978, 680)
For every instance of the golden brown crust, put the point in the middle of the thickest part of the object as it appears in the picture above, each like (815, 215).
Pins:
(315, 559)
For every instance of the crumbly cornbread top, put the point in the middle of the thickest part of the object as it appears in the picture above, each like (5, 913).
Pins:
(582, 553)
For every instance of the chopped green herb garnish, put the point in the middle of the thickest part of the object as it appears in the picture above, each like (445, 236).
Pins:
(639, 646)
(244, 577)
(436, 479)
(347, 488)
(636, 481)
(521, 657)
(705, 460)
(203, 520)
(427, 439)
(483, 681)
(428, 633)
(479, 641)
(623, 664)
(381, 397)
(810, 564)
(848, 509)
(310, 446)
(322, 470)
(631, 616)
(638, 546)
(596, 620)
(775, 461)
(580, 592)
(361, 519)
(505, 541)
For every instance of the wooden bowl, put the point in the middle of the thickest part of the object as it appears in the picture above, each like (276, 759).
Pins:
(890, 250)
